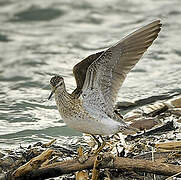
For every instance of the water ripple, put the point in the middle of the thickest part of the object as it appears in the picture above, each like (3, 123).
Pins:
(41, 38)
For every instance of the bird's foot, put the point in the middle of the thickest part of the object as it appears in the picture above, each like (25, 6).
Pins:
(81, 156)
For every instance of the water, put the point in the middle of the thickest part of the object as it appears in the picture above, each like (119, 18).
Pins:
(40, 38)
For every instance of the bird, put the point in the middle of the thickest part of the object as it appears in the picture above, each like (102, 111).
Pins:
(90, 108)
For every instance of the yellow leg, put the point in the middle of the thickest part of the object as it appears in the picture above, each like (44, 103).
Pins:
(97, 140)
(100, 146)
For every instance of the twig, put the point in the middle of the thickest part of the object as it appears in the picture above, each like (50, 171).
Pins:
(175, 175)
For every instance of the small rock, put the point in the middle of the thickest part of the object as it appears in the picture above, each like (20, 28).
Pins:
(144, 124)
(124, 104)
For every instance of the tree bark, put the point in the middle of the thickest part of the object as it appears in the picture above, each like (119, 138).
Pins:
(107, 161)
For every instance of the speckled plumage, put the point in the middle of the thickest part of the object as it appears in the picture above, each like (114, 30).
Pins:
(90, 107)
(75, 116)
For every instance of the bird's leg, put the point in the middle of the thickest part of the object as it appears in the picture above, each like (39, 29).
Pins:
(97, 140)
(99, 149)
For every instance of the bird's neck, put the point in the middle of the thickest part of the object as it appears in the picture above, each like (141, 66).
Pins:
(62, 97)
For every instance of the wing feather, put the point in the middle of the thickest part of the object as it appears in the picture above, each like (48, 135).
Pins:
(106, 74)
(80, 70)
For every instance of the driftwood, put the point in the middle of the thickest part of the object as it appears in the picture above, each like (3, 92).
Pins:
(169, 146)
(34, 163)
(105, 161)
(42, 166)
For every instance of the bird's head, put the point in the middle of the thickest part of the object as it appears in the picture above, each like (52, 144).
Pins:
(56, 82)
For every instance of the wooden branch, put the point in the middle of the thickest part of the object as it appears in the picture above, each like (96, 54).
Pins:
(108, 161)
(34, 163)
(169, 146)
(49, 143)
(95, 170)
(128, 164)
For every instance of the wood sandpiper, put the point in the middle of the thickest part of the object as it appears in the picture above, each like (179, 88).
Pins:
(90, 107)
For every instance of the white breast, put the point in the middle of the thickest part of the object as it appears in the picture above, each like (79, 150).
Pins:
(91, 125)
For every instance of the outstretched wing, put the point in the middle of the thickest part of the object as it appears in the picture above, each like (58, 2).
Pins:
(80, 70)
(106, 74)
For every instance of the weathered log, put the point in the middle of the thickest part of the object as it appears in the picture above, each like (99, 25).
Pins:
(108, 161)
(34, 163)
(170, 146)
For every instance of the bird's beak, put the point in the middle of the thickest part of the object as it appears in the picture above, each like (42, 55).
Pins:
(51, 94)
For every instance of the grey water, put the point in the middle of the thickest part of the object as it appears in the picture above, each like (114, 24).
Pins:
(40, 38)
